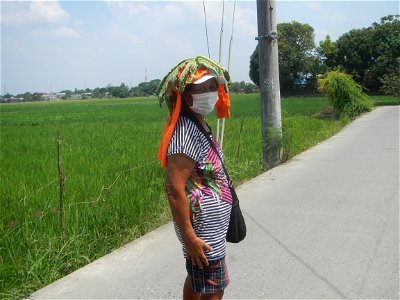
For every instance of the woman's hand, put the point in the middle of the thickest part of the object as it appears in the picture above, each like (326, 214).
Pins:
(195, 252)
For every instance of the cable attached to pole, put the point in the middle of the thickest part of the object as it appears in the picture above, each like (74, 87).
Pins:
(229, 67)
(219, 56)
(220, 137)
(205, 25)
(221, 32)
(231, 40)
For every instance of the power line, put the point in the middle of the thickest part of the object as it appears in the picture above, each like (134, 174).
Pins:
(231, 40)
(221, 138)
(222, 32)
(219, 60)
(205, 24)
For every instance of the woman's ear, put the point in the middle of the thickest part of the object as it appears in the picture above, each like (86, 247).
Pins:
(187, 97)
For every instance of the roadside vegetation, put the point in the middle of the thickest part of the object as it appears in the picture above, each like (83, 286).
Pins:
(113, 189)
(345, 95)
(370, 55)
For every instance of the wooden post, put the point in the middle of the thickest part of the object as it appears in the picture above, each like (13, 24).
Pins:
(61, 203)
(271, 124)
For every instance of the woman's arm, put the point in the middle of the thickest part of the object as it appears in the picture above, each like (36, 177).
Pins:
(179, 167)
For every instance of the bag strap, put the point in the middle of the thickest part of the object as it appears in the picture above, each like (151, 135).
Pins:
(207, 135)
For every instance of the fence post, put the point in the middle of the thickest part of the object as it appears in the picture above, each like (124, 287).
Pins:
(61, 189)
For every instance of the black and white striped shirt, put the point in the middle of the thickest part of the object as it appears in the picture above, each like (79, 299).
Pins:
(207, 188)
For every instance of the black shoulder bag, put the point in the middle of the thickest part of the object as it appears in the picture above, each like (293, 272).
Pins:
(237, 226)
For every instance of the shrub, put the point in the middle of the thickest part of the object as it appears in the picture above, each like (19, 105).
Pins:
(345, 95)
(391, 84)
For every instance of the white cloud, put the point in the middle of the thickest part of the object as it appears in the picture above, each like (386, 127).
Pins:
(213, 10)
(179, 27)
(147, 11)
(245, 21)
(21, 12)
(49, 11)
(16, 46)
(65, 32)
(117, 31)
(128, 7)
(314, 6)
(60, 32)
(173, 11)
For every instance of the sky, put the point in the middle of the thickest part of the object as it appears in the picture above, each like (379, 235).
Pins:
(49, 46)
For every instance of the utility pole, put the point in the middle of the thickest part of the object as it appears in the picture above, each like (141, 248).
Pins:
(271, 124)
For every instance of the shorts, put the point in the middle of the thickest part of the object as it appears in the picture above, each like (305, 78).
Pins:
(211, 279)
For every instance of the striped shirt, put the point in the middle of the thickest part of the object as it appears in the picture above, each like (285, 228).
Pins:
(207, 188)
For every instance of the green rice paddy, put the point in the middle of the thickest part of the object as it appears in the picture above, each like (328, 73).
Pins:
(113, 190)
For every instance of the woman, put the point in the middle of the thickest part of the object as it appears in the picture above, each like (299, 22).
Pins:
(196, 184)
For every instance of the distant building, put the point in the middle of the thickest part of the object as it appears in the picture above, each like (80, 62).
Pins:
(76, 96)
(302, 82)
(11, 100)
(49, 96)
(87, 95)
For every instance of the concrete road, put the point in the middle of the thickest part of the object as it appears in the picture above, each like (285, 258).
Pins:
(324, 225)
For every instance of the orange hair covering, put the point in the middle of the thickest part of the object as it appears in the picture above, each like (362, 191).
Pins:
(169, 128)
(175, 87)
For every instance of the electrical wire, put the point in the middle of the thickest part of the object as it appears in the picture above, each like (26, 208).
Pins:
(221, 138)
(205, 25)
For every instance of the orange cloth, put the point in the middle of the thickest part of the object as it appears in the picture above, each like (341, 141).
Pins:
(200, 73)
(169, 130)
(223, 104)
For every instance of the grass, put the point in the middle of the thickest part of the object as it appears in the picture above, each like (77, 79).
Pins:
(113, 191)
(385, 100)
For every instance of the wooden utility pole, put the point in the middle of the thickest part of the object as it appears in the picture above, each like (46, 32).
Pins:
(271, 124)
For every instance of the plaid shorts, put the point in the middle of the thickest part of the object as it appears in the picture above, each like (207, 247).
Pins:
(211, 279)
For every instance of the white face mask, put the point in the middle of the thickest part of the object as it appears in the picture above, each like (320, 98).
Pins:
(204, 103)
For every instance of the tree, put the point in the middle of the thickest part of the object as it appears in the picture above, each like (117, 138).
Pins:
(369, 53)
(391, 84)
(28, 97)
(242, 86)
(121, 92)
(234, 88)
(147, 88)
(254, 72)
(296, 45)
(250, 88)
(153, 86)
(326, 53)
(67, 93)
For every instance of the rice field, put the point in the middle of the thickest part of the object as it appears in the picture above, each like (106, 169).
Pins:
(113, 189)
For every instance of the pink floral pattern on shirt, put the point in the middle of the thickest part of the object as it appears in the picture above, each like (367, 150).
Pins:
(207, 178)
